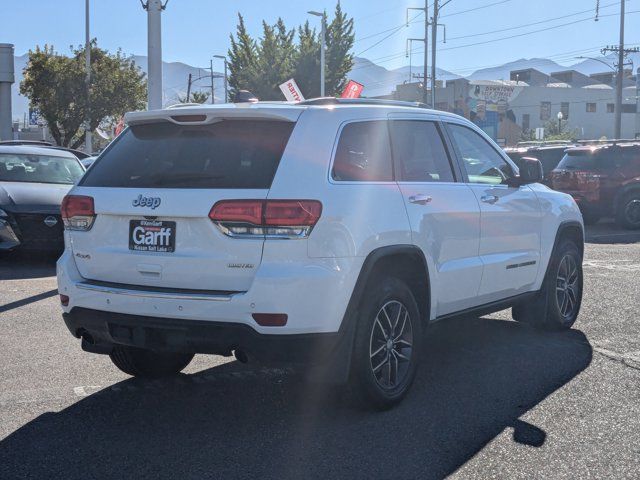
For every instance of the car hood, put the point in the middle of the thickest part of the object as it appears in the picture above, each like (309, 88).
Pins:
(20, 194)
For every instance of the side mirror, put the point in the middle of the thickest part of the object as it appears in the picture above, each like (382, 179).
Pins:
(530, 172)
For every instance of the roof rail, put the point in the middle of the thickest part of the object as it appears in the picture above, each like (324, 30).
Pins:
(613, 141)
(360, 101)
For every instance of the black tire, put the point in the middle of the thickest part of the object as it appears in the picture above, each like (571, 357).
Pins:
(372, 385)
(628, 211)
(548, 310)
(590, 218)
(139, 362)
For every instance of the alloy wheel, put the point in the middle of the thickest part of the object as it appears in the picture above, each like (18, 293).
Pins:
(632, 212)
(391, 344)
(567, 286)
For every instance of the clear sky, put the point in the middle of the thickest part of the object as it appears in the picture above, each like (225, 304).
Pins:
(193, 30)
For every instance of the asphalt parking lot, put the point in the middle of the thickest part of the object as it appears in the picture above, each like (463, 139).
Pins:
(493, 399)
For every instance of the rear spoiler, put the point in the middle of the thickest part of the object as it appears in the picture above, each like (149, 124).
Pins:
(204, 115)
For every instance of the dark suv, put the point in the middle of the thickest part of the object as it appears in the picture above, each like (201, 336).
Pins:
(548, 155)
(604, 180)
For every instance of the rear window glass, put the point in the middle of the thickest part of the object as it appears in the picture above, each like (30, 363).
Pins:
(587, 160)
(364, 153)
(228, 154)
(39, 169)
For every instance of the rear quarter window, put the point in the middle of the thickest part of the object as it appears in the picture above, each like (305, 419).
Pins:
(227, 154)
(363, 153)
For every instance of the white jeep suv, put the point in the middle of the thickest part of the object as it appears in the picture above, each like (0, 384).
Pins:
(328, 233)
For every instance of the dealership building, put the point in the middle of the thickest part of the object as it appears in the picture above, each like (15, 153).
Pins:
(530, 99)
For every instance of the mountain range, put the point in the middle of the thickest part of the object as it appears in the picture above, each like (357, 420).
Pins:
(377, 79)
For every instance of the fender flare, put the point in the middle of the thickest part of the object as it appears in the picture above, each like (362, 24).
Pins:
(562, 228)
(341, 365)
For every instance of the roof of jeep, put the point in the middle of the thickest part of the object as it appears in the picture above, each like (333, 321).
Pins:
(284, 111)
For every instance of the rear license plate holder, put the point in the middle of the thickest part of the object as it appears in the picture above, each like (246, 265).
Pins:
(152, 236)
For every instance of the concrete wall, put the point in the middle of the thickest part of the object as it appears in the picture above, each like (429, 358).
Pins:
(589, 125)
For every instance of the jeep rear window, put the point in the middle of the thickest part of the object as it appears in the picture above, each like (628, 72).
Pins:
(227, 154)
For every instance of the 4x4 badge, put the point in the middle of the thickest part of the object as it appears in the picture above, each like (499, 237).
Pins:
(153, 202)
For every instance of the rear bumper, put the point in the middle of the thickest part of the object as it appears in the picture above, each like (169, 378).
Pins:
(102, 330)
(313, 293)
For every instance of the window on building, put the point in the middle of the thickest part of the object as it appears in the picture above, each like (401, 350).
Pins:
(591, 108)
(545, 111)
(564, 108)
(526, 122)
(629, 108)
(611, 107)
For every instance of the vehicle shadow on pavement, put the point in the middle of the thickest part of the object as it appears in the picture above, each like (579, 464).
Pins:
(24, 265)
(607, 232)
(478, 377)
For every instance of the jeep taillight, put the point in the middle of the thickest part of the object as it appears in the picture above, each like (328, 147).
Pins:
(78, 212)
(266, 218)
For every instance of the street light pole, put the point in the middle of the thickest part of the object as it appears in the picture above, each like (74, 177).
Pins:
(154, 52)
(620, 77)
(87, 59)
(560, 117)
(323, 40)
(226, 81)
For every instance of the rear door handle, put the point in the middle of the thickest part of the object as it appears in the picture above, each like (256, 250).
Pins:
(420, 199)
(489, 199)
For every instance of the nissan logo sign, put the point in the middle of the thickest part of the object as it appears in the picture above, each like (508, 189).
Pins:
(51, 221)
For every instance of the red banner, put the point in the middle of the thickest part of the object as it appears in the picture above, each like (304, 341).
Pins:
(352, 90)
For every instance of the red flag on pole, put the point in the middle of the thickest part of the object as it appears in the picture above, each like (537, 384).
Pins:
(352, 90)
(119, 127)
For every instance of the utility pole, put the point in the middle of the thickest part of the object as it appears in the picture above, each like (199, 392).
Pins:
(189, 89)
(637, 135)
(622, 53)
(425, 91)
(434, 47)
(226, 82)
(154, 10)
(213, 100)
(87, 60)
(434, 35)
(620, 77)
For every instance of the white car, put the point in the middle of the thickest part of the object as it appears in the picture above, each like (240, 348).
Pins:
(328, 233)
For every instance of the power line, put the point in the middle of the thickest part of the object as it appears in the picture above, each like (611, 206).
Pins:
(476, 8)
(390, 57)
(528, 24)
(530, 33)
(395, 30)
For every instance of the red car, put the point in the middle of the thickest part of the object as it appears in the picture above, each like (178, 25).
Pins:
(604, 180)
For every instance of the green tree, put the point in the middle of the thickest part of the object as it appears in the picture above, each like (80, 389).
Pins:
(243, 59)
(340, 39)
(553, 130)
(307, 61)
(195, 97)
(261, 66)
(55, 84)
(275, 56)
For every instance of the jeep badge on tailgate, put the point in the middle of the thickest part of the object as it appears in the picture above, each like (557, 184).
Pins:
(153, 202)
